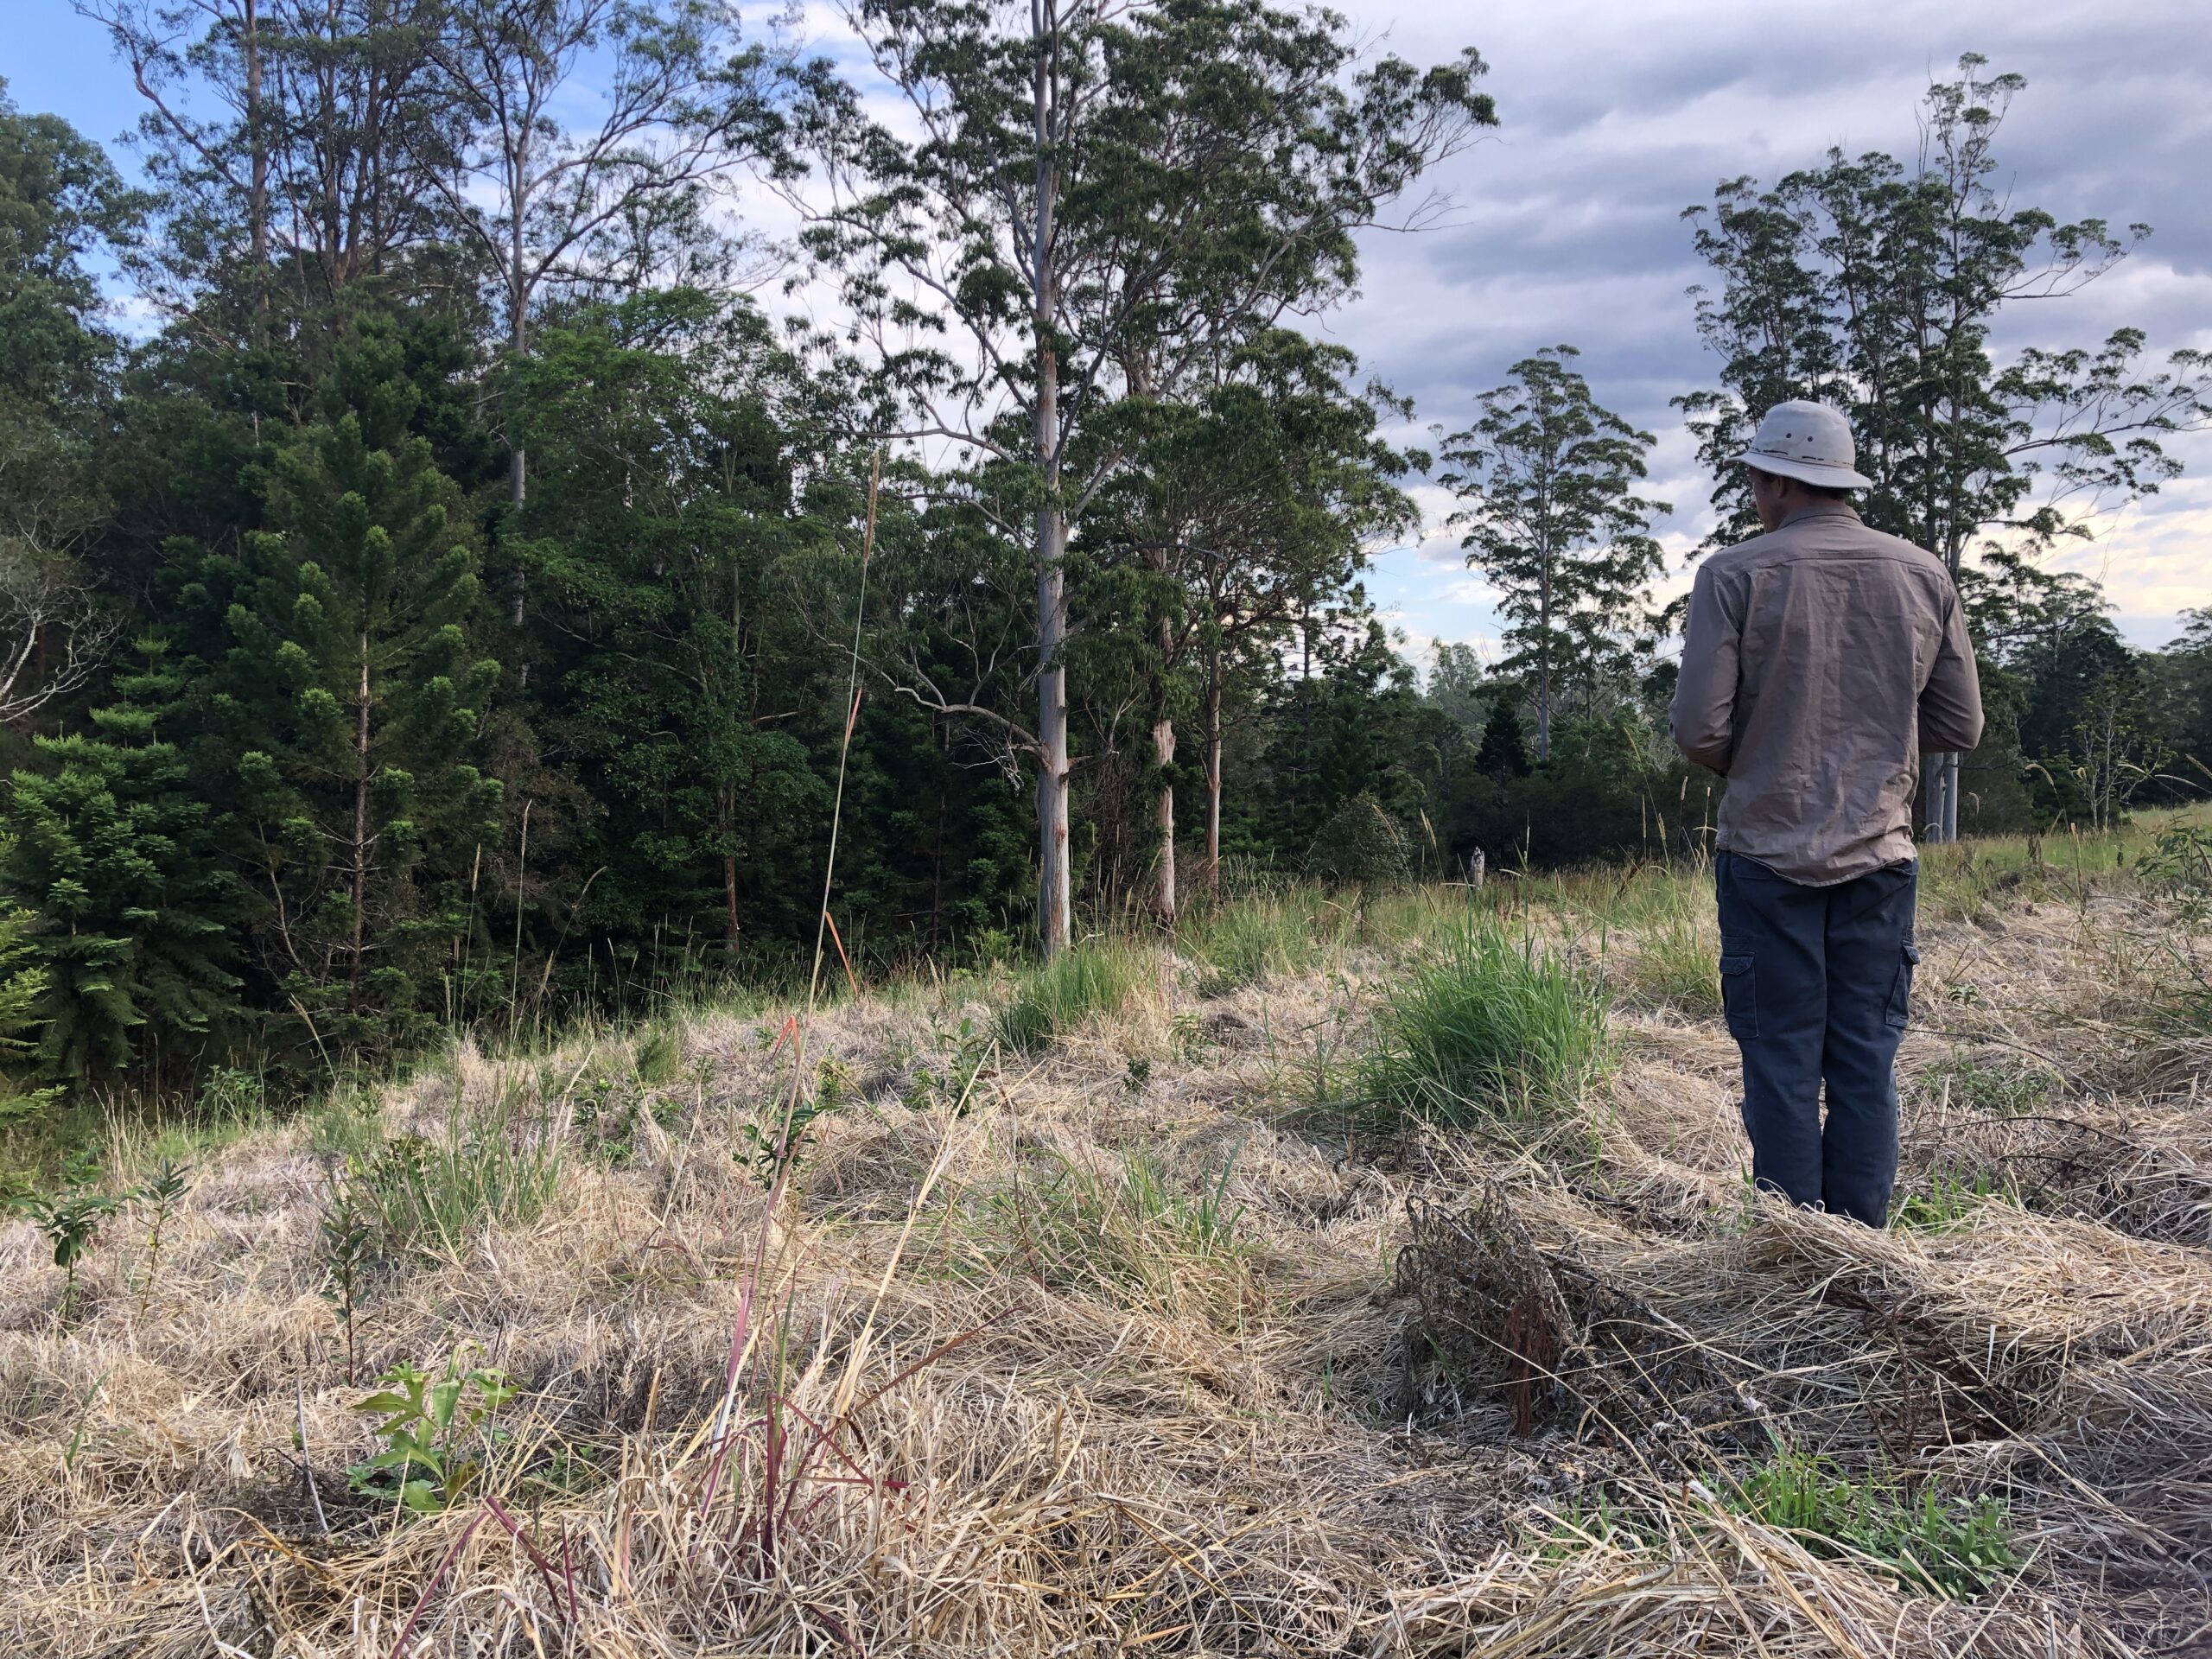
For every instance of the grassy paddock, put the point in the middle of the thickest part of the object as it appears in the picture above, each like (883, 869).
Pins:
(1105, 1351)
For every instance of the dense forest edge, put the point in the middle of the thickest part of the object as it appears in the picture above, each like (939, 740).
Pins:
(454, 604)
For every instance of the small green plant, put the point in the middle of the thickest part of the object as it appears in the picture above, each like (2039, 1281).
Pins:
(1129, 1230)
(1187, 1034)
(948, 1082)
(165, 1189)
(434, 1433)
(1952, 1198)
(230, 1096)
(1054, 997)
(1578, 1526)
(2179, 865)
(1952, 1551)
(348, 1247)
(2006, 1090)
(658, 1055)
(767, 1151)
(1487, 1028)
(70, 1219)
(1137, 1075)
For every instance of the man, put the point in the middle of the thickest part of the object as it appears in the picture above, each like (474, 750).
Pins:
(1819, 661)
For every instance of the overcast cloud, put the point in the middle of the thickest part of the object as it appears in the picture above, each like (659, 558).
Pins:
(1617, 114)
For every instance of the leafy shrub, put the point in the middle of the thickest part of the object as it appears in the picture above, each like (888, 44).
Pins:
(71, 1220)
(1054, 997)
(1488, 1028)
(949, 1081)
(435, 1434)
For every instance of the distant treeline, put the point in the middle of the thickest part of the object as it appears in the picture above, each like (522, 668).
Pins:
(463, 603)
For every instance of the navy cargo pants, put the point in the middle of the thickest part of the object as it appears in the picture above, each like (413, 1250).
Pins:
(1816, 982)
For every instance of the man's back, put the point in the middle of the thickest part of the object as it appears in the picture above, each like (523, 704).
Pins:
(1818, 661)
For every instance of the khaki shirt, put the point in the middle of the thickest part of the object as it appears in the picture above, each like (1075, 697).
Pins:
(1818, 662)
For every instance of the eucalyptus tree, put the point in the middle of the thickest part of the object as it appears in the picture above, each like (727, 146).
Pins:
(1248, 510)
(1100, 200)
(296, 145)
(1875, 284)
(60, 203)
(1552, 518)
(548, 203)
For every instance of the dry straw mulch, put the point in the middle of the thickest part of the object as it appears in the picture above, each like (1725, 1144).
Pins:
(1391, 1399)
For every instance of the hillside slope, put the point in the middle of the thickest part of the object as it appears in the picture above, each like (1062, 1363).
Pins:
(1117, 1312)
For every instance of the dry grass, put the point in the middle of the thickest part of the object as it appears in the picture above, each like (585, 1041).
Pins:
(1118, 1346)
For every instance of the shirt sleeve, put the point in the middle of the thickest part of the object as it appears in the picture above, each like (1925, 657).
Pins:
(1703, 714)
(1950, 705)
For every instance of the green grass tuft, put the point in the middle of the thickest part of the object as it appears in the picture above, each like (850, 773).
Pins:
(1049, 1000)
(1488, 1028)
(499, 1164)
(1678, 962)
(1244, 943)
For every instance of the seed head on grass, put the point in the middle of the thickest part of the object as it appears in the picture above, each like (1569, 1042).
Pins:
(1487, 1028)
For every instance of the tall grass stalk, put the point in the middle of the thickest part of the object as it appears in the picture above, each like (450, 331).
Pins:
(1488, 1028)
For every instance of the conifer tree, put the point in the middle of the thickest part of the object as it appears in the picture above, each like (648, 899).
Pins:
(352, 694)
(1504, 750)
(118, 853)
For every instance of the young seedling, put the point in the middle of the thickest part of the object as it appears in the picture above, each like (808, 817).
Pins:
(427, 1424)
(165, 1189)
(347, 1245)
(71, 1221)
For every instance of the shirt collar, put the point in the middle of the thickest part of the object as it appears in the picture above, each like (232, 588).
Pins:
(1822, 510)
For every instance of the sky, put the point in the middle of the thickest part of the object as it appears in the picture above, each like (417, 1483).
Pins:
(1565, 224)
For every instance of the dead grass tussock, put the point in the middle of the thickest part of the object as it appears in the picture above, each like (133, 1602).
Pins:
(1112, 1345)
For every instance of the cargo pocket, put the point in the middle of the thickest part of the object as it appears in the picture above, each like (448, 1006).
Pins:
(1900, 1008)
(1736, 997)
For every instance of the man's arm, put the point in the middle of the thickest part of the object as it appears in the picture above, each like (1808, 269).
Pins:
(1703, 713)
(1950, 705)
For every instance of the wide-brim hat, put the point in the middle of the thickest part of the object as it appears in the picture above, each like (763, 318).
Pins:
(1808, 441)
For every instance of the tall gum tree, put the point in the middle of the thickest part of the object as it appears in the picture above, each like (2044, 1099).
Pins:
(1552, 517)
(1100, 200)
(1254, 501)
(546, 203)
